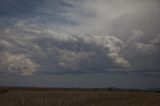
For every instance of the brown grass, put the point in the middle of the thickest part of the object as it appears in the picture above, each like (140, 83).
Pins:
(55, 97)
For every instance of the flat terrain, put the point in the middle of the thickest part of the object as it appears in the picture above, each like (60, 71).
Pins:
(73, 97)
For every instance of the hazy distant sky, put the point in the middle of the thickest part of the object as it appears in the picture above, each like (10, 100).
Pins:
(80, 43)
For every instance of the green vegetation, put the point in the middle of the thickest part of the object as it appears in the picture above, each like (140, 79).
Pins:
(73, 97)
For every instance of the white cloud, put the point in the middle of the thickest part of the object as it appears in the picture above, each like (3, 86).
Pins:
(98, 16)
(5, 43)
(17, 63)
(112, 45)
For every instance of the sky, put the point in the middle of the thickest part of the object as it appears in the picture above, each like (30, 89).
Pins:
(80, 43)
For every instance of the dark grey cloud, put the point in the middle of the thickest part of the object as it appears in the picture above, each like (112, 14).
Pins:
(29, 7)
(41, 11)
(18, 7)
(145, 53)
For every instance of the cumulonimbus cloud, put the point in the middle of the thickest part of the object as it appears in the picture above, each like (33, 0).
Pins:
(62, 50)
(78, 40)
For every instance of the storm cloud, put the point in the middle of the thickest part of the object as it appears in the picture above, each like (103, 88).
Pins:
(60, 52)
(79, 36)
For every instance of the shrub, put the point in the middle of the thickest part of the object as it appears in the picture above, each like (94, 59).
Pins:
(4, 91)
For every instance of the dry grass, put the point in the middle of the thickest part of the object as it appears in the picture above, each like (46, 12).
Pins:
(53, 97)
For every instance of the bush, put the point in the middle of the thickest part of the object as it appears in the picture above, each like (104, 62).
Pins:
(4, 91)
(109, 89)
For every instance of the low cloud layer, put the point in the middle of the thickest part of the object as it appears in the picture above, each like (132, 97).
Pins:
(34, 48)
(58, 52)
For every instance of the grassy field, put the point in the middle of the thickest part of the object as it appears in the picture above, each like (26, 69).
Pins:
(73, 97)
